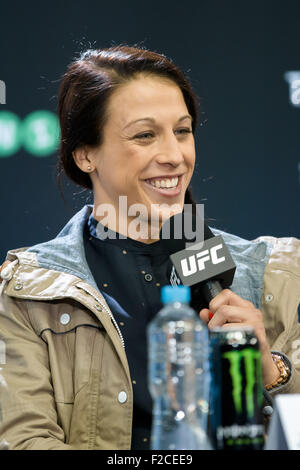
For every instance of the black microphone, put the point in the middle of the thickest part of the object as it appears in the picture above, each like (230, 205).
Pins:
(199, 259)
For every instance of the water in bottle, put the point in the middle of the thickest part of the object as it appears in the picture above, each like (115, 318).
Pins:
(179, 377)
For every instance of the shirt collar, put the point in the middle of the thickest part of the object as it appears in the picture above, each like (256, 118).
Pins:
(105, 235)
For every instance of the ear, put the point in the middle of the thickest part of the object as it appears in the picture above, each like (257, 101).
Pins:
(83, 159)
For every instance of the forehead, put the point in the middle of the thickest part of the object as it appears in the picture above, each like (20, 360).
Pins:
(152, 96)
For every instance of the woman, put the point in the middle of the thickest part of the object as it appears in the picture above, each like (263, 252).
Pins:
(75, 309)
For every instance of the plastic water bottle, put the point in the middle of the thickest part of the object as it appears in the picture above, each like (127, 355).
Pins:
(179, 379)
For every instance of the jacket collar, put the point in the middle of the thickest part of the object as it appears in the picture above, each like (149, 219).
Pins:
(65, 253)
(251, 259)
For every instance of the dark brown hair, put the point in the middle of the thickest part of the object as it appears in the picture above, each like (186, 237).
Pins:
(86, 87)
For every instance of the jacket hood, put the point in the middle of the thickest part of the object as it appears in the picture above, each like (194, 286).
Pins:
(66, 253)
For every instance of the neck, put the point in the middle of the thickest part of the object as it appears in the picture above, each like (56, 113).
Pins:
(137, 228)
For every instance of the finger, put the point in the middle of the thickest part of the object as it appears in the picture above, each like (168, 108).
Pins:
(232, 325)
(205, 315)
(227, 297)
(233, 314)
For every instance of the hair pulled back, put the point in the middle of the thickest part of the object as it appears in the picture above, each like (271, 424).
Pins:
(86, 88)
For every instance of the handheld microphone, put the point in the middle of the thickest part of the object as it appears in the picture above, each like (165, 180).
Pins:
(206, 266)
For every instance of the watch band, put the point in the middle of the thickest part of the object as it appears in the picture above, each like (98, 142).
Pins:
(284, 370)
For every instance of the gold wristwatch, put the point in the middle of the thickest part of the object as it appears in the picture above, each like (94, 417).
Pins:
(284, 370)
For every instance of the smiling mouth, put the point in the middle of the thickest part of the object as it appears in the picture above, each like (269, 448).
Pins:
(165, 183)
(166, 186)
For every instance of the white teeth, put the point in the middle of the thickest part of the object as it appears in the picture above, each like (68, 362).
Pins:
(166, 183)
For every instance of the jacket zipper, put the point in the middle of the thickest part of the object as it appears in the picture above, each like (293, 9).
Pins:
(108, 312)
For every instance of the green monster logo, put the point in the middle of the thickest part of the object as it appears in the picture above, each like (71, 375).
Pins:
(252, 364)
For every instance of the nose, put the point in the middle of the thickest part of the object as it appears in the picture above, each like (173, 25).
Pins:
(170, 152)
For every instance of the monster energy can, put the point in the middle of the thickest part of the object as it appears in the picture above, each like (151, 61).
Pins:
(237, 389)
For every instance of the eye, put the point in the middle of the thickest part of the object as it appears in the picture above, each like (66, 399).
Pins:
(144, 136)
(184, 130)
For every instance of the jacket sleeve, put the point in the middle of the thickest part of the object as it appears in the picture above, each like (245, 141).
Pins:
(29, 418)
(280, 306)
(290, 351)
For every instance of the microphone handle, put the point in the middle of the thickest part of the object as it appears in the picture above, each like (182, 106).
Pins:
(210, 289)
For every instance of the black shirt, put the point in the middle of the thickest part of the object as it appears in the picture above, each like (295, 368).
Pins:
(130, 275)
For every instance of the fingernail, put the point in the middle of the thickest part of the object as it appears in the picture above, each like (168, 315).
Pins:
(210, 315)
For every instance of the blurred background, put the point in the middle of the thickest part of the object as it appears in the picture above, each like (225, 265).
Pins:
(237, 54)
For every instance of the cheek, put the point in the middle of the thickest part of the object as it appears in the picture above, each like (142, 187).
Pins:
(190, 163)
(137, 164)
(190, 154)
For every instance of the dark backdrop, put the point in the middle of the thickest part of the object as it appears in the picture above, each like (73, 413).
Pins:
(235, 53)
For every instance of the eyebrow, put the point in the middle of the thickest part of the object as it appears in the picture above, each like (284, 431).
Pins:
(152, 120)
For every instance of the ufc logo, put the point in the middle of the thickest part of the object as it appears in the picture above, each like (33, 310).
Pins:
(195, 263)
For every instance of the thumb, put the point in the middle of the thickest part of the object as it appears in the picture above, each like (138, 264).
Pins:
(205, 315)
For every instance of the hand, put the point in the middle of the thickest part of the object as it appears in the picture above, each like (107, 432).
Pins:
(229, 308)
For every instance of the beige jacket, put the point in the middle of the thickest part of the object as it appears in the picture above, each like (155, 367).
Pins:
(68, 379)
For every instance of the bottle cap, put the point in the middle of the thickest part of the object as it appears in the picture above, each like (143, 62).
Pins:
(171, 294)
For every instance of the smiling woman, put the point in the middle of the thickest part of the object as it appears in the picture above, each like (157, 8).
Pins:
(148, 159)
(70, 306)
(133, 134)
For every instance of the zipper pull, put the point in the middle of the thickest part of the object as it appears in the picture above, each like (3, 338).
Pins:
(7, 273)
